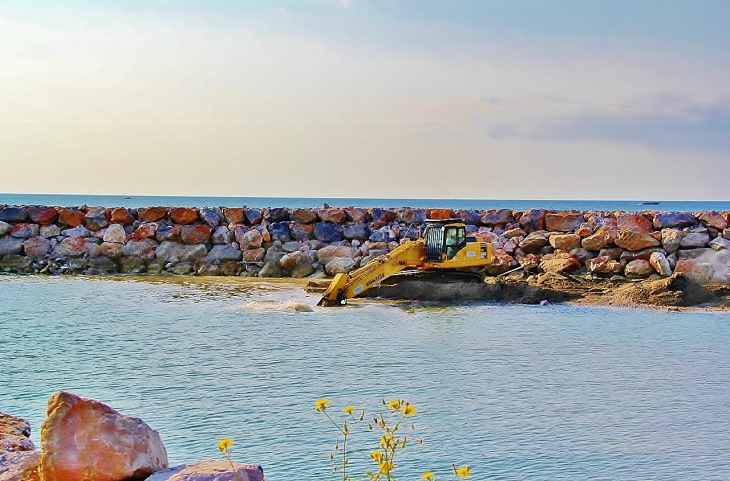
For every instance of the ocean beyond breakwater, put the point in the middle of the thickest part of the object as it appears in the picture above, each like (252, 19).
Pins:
(309, 242)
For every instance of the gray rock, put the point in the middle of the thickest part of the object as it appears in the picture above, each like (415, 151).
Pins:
(271, 269)
(291, 246)
(326, 254)
(13, 214)
(328, 232)
(48, 231)
(533, 242)
(144, 249)
(660, 264)
(638, 269)
(133, 265)
(358, 231)
(103, 264)
(15, 262)
(26, 231)
(175, 252)
(78, 231)
(671, 239)
(222, 235)
(96, 219)
(280, 231)
(720, 243)
(340, 265)
(181, 269)
(115, 233)
(673, 219)
(222, 253)
(36, 247)
(210, 216)
(383, 234)
(694, 240)
(10, 245)
(4, 228)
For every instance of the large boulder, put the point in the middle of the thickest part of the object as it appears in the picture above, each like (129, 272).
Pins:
(337, 216)
(604, 266)
(382, 217)
(438, 214)
(633, 221)
(277, 214)
(340, 265)
(635, 240)
(4, 227)
(250, 239)
(183, 215)
(671, 239)
(210, 471)
(152, 214)
(498, 217)
(410, 216)
(327, 232)
(42, 215)
(96, 219)
(358, 230)
(175, 252)
(36, 247)
(301, 232)
(303, 216)
(210, 216)
(356, 214)
(705, 266)
(13, 214)
(663, 220)
(713, 219)
(234, 215)
(121, 215)
(194, 234)
(562, 262)
(638, 269)
(280, 231)
(25, 231)
(14, 434)
(222, 253)
(565, 242)
(146, 230)
(83, 439)
(660, 264)
(115, 233)
(326, 254)
(72, 247)
(298, 264)
(253, 216)
(144, 249)
(533, 219)
(71, 217)
(533, 243)
(222, 235)
(694, 240)
(603, 237)
(563, 221)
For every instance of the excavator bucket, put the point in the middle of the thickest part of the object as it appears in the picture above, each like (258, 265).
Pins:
(333, 295)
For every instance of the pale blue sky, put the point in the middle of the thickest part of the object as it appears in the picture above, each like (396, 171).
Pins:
(483, 99)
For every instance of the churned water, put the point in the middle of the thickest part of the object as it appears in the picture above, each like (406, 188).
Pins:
(518, 392)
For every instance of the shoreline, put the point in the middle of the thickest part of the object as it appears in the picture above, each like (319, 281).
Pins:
(312, 244)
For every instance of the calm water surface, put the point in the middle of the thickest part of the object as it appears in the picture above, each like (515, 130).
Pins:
(518, 392)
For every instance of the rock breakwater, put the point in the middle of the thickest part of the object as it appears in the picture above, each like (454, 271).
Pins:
(283, 242)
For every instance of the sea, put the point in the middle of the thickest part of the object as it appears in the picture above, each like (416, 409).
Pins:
(553, 392)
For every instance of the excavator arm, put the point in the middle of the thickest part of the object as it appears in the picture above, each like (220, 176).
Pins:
(345, 286)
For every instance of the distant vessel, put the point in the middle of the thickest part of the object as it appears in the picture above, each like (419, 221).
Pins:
(127, 198)
(650, 202)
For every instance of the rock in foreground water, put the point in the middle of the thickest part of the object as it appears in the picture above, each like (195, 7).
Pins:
(210, 471)
(83, 439)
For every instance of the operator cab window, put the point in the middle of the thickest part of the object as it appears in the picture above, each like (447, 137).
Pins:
(455, 240)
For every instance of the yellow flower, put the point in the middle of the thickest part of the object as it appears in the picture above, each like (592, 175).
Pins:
(377, 456)
(386, 467)
(428, 476)
(349, 409)
(224, 444)
(321, 405)
(463, 472)
(394, 404)
(409, 410)
(386, 440)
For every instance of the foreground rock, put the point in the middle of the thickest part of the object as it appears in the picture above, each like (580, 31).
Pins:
(18, 457)
(210, 471)
(83, 439)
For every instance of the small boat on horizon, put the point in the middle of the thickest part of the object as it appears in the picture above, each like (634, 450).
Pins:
(650, 202)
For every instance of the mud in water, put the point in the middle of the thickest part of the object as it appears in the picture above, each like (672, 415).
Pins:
(673, 292)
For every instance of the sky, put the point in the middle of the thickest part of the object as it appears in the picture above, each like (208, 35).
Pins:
(404, 99)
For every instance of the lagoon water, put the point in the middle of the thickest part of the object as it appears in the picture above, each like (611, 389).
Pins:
(518, 392)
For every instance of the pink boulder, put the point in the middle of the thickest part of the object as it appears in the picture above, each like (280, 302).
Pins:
(635, 240)
(195, 234)
(14, 434)
(710, 219)
(144, 231)
(72, 247)
(633, 221)
(83, 439)
(355, 214)
(332, 215)
(42, 215)
(563, 221)
(210, 471)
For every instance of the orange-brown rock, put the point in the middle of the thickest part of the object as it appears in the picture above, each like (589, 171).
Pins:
(635, 240)
(71, 217)
(633, 221)
(183, 215)
(584, 230)
(603, 237)
(234, 215)
(211, 471)
(501, 262)
(533, 219)
(440, 214)
(42, 215)
(355, 214)
(332, 215)
(304, 216)
(498, 217)
(562, 262)
(19, 466)
(83, 439)
(638, 269)
(14, 434)
(530, 262)
(254, 255)
(565, 242)
(151, 214)
(710, 219)
(120, 215)
(563, 221)
(603, 265)
(194, 234)
(147, 230)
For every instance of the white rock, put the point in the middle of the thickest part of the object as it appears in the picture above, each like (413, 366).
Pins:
(115, 233)
(660, 264)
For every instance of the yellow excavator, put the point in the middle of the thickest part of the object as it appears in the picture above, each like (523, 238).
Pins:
(443, 249)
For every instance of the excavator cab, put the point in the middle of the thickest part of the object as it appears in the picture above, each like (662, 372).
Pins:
(444, 238)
